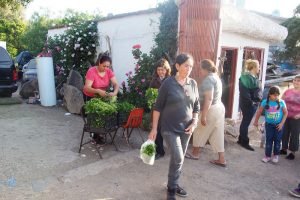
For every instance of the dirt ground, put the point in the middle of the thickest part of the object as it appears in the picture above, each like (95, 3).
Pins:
(39, 159)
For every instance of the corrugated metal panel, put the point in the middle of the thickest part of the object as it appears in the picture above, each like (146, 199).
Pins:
(199, 27)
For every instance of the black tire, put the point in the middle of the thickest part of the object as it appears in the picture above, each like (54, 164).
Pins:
(6, 94)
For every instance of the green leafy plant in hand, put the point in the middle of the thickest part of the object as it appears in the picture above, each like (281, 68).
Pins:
(149, 150)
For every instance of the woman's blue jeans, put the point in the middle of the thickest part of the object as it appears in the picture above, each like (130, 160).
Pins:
(273, 139)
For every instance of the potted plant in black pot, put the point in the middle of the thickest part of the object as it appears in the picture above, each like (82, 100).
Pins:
(123, 109)
(151, 96)
(101, 114)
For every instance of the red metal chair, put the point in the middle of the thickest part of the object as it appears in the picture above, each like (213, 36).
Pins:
(134, 120)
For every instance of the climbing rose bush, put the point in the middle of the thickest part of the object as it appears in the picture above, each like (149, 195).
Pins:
(138, 80)
(76, 48)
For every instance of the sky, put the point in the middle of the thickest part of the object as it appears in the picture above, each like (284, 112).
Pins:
(104, 7)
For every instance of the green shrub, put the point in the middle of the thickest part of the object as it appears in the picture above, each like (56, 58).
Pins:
(139, 80)
(124, 107)
(100, 112)
(151, 96)
(147, 121)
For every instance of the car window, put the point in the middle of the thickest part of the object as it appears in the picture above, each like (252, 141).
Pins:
(4, 57)
(32, 64)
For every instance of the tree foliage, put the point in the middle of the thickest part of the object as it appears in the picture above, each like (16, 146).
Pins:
(35, 34)
(11, 29)
(13, 4)
(166, 39)
(292, 41)
(74, 17)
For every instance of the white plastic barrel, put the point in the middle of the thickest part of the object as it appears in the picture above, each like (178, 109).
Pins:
(46, 81)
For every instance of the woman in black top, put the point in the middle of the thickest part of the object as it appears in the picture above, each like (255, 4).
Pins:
(162, 71)
(250, 97)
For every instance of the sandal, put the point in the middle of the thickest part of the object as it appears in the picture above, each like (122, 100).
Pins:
(191, 156)
(216, 162)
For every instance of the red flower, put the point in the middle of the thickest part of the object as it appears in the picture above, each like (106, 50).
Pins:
(137, 46)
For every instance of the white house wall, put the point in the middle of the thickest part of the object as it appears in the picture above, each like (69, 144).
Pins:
(238, 41)
(3, 44)
(123, 33)
(57, 31)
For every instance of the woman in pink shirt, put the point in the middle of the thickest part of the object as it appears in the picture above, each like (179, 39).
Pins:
(98, 79)
(290, 139)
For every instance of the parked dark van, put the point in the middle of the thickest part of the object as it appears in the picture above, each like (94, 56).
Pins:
(8, 74)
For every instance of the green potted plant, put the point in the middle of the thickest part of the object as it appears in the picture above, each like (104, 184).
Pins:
(101, 114)
(151, 96)
(123, 109)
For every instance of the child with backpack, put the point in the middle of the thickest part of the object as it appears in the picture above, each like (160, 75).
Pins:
(275, 116)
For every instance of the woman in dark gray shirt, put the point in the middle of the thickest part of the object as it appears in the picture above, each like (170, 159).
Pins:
(177, 107)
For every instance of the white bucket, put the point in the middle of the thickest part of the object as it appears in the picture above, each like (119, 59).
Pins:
(46, 81)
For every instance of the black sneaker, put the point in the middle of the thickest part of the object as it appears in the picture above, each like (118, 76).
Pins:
(181, 192)
(291, 156)
(248, 147)
(101, 141)
(283, 152)
(295, 192)
(158, 156)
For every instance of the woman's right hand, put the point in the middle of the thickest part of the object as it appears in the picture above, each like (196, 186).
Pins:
(297, 116)
(152, 135)
(203, 120)
(102, 93)
(255, 124)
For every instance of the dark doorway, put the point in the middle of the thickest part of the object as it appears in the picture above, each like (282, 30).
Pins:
(228, 78)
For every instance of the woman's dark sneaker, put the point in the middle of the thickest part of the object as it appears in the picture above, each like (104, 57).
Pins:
(295, 192)
(181, 192)
(98, 139)
(291, 156)
(247, 146)
(158, 156)
(283, 152)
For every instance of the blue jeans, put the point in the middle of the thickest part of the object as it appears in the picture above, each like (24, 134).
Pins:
(178, 145)
(248, 113)
(273, 139)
